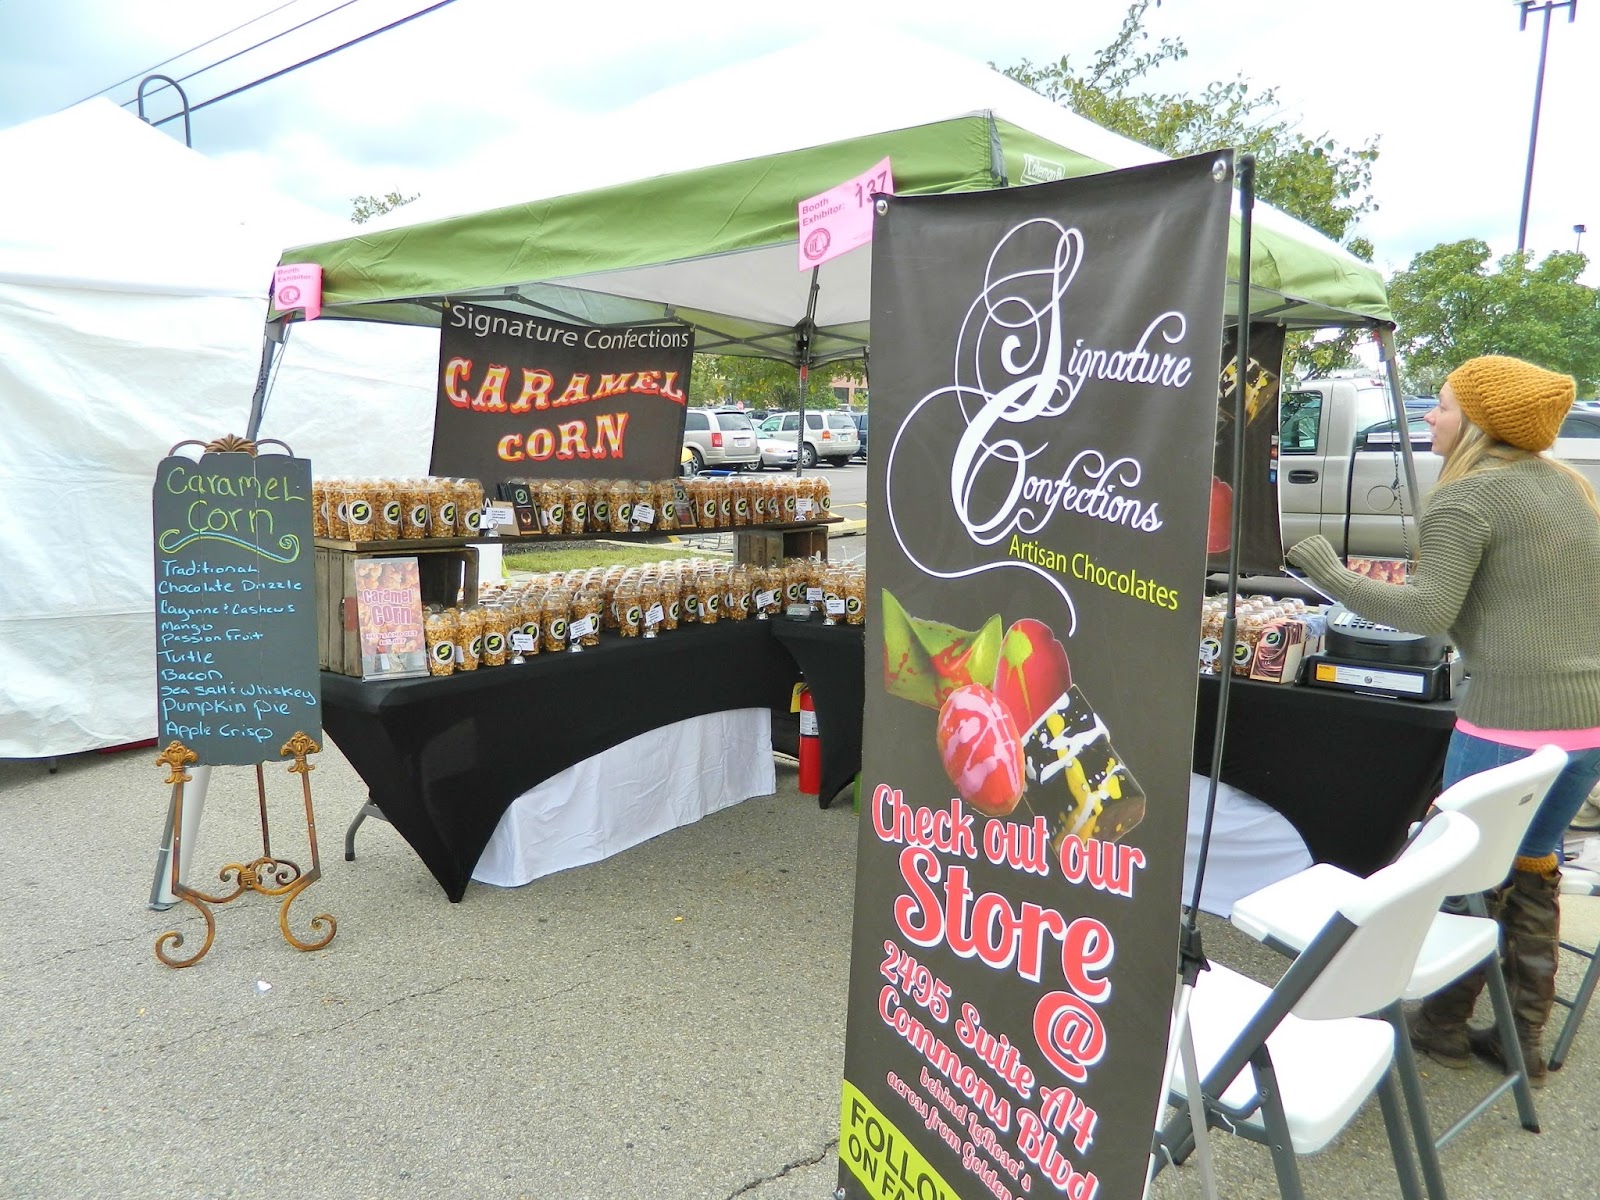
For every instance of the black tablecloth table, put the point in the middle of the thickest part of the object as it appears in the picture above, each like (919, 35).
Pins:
(1349, 771)
(443, 758)
(832, 659)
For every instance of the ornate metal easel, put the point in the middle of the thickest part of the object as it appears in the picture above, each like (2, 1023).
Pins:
(267, 874)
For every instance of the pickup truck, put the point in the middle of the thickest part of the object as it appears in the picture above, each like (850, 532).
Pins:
(1324, 424)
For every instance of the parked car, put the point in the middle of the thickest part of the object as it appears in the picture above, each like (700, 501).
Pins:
(860, 419)
(830, 435)
(775, 452)
(721, 437)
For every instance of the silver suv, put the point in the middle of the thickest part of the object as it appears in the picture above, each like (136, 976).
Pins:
(830, 435)
(720, 437)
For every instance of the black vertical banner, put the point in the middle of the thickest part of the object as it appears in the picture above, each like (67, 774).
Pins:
(1260, 538)
(1043, 365)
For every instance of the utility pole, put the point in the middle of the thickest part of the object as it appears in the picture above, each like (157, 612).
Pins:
(1546, 7)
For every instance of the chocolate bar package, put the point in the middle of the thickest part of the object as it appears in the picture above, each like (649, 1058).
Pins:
(1279, 650)
(1076, 779)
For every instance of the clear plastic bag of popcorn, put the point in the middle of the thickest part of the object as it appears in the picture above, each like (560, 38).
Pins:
(415, 508)
(469, 638)
(588, 604)
(621, 493)
(469, 507)
(338, 523)
(575, 494)
(386, 500)
(599, 506)
(494, 636)
(552, 507)
(671, 600)
(854, 585)
(319, 508)
(652, 611)
(630, 610)
(666, 502)
(822, 494)
(529, 615)
(439, 627)
(441, 508)
(708, 590)
(710, 512)
(554, 613)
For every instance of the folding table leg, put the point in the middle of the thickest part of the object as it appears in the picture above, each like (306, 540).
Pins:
(369, 809)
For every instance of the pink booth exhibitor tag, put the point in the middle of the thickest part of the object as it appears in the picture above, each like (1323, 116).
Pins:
(298, 286)
(840, 219)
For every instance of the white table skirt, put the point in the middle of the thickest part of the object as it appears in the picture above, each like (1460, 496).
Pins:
(1252, 845)
(629, 794)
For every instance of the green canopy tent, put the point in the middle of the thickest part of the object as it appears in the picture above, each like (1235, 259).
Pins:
(716, 247)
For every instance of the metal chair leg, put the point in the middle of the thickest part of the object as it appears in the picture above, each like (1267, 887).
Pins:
(1577, 1006)
(1511, 1046)
(1405, 1066)
(1405, 1166)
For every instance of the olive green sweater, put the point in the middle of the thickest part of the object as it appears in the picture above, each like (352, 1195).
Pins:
(1509, 567)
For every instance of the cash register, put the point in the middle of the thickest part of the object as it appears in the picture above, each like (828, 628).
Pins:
(1359, 655)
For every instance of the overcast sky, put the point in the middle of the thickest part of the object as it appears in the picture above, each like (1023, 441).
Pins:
(482, 91)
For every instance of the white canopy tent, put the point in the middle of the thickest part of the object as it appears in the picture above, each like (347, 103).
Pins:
(133, 276)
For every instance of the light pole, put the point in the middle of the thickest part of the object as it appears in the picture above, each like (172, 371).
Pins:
(1525, 7)
(1580, 230)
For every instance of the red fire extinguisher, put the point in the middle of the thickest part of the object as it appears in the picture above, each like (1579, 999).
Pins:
(810, 746)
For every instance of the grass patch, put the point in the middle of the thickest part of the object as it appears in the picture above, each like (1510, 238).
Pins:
(576, 555)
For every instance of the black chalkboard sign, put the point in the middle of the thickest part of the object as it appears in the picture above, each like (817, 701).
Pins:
(236, 605)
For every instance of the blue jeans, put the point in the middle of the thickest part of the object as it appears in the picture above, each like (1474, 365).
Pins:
(1469, 755)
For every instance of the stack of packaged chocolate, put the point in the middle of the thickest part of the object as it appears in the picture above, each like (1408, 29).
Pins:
(1271, 637)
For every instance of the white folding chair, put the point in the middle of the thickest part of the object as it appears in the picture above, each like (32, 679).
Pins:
(1289, 1066)
(1500, 803)
(1576, 881)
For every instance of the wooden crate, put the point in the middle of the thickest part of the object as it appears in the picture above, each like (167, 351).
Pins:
(448, 573)
(761, 547)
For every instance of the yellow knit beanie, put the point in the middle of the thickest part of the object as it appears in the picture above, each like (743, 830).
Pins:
(1511, 400)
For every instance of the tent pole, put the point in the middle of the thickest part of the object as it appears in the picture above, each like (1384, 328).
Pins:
(1402, 424)
(802, 352)
(277, 333)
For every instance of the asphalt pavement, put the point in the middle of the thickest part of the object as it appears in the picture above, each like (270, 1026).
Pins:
(666, 1023)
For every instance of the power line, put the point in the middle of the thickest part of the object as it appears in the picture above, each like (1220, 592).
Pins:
(190, 50)
(193, 108)
(256, 46)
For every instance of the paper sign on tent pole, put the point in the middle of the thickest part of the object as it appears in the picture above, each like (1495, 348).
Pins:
(838, 220)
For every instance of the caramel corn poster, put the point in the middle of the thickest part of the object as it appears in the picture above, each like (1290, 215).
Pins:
(1044, 366)
(528, 397)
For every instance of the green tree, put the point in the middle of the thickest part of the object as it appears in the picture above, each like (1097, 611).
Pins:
(1451, 305)
(1315, 179)
(764, 382)
(364, 208)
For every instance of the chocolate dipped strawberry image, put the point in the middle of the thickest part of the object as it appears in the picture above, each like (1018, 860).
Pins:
(981, 750)
(1033, 670)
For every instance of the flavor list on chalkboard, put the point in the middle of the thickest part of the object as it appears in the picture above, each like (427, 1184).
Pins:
(235, 592)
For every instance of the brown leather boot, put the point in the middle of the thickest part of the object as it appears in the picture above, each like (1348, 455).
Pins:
(1530, 924)
(1439, 1028)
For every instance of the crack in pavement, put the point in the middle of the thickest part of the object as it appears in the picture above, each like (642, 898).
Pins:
(831, 1146)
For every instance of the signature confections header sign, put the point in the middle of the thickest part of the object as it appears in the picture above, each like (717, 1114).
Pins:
(236, 605)
(530, 397)
(1044, 364)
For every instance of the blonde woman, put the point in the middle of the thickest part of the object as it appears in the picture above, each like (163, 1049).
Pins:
(1509, 567)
